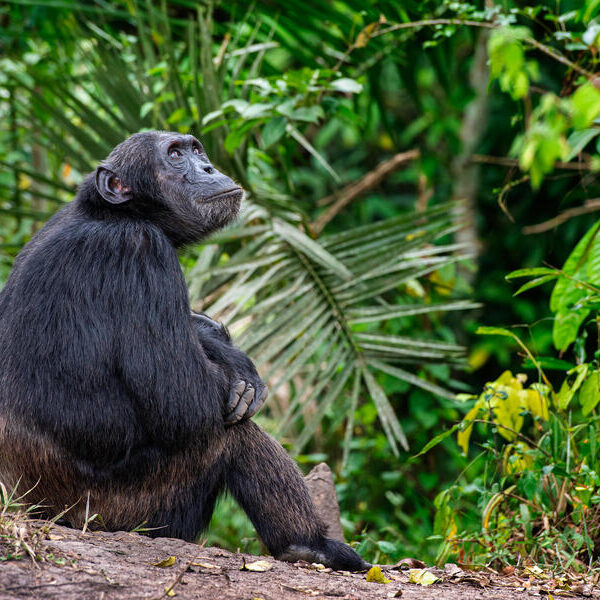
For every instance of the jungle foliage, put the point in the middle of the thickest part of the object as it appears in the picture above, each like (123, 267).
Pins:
(400, 160)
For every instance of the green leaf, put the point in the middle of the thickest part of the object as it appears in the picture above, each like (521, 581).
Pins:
(436, 440)
(536, 282)
(386, 547)
(273, 131)
(346, 85)
(146, 108)
(494, 331)
(254, 111)
(586, 105)
(549, 362)
(310, 148)
(177, 116)
(583, 265)
(567, 391)
(578, 140)
(534, 272)
(589, 395)
(565, 327)
(311, 114)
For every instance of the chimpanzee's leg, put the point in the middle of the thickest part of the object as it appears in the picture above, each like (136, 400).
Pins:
(268, 485)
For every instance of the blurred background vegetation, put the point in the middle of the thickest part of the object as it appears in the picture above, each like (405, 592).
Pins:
(401, 159)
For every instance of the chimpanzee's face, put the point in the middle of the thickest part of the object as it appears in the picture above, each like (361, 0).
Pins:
(168, 179)
(185, 164)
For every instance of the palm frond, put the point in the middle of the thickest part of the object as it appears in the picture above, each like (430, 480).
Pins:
(299, 307)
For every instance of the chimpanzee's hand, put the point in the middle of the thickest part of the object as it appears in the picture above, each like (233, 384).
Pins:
(245, 400)
(247, 392)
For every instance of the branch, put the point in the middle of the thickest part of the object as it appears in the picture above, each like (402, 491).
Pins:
(559, 57)
(504, 161)
(344, 196)
(430, 22)
(589, 207)
(532, 42)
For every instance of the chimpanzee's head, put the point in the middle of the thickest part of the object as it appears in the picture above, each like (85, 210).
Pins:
(168, 179)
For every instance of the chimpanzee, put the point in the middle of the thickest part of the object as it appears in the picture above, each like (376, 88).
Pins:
(115, 399)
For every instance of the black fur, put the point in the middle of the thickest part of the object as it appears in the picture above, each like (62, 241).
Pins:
(112, 392)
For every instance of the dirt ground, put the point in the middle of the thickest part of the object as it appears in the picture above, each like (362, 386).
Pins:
(103, 566)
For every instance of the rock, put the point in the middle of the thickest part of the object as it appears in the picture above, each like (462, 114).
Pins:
(322, 491)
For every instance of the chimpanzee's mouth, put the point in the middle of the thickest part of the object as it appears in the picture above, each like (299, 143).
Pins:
(234, 193)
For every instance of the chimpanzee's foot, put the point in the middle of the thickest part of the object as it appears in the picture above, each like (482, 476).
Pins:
(330, 553)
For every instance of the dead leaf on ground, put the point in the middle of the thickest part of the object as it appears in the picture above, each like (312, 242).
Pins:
(454, 574)
(422, 577)
(166, 562)
(374, 575)
(408, 563)
(204, 565)
(259, 566)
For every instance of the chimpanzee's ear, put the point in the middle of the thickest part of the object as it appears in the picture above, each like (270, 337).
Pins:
(110, 186)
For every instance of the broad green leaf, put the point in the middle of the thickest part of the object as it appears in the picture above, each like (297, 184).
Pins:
(386, 547)
(565, 327)
(586, 105)
(567, 390)
(589, 395)
(273, 131)
(311, 114)
(347, 85)
(578, 140)
(583, 264)
(550, 363)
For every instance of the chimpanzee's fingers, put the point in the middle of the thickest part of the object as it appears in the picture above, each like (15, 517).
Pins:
(242, 407)
(259, 400)
(234, 395)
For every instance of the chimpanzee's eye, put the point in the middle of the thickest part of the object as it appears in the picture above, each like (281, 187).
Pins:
(196, 150)
(174, 153)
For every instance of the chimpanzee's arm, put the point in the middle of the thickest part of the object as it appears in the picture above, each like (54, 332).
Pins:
(248, 392)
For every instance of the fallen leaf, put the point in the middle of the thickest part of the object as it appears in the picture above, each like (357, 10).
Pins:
(536, 572)
(204, 565)
(421, 577)
(374, 575)
(169, 592)
(260, 566)
(409, 563)
(508, 570)
(167, 562)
